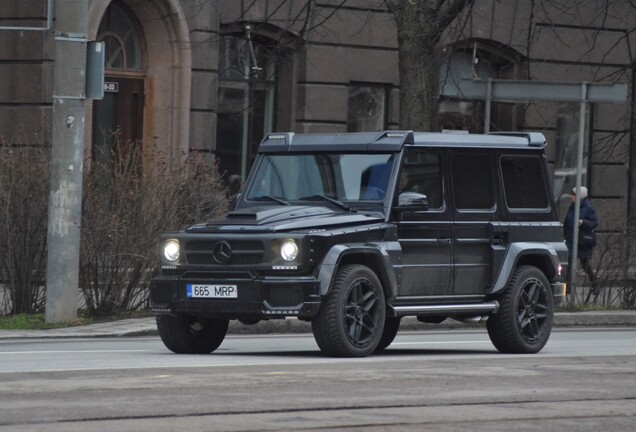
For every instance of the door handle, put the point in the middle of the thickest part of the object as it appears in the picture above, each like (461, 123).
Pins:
(444, 240)
(496, 241)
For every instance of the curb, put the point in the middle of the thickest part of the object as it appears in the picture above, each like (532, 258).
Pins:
(137, 327)
(561, 319)
(595, 319)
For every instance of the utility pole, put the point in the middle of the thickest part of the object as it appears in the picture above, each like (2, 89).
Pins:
(65, 199)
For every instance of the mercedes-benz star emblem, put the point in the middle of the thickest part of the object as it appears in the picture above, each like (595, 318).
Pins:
(222, 252)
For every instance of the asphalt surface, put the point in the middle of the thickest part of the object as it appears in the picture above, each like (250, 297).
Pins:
(147, 327)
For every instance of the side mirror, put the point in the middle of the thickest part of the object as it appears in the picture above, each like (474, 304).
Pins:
(412, 201)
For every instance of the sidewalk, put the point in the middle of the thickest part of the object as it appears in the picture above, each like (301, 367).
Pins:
(147, 327)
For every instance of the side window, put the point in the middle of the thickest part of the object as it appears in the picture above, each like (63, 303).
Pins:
(472, 181)
(422, 173)
(524, 182)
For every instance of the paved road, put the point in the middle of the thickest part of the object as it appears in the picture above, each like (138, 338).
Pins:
(147, 326)
(450, 380)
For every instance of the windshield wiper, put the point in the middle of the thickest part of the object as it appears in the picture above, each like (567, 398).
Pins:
(272, 198)
(331, 200)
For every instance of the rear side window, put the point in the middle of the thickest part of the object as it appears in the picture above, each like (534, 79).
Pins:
(524, 182)
(473, 183)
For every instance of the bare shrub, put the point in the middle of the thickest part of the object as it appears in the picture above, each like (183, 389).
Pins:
(24, 191)
(126, 205)
(616, 281)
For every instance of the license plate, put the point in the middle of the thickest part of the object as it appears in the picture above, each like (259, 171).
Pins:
(211, 291)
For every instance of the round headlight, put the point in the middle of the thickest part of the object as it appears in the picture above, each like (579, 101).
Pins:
(171, 250)
(289, 250)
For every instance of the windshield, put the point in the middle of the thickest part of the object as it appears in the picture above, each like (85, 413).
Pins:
(343, 177)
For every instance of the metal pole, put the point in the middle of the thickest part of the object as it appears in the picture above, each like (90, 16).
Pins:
(488, 106)
(577, 202)
(65, 199)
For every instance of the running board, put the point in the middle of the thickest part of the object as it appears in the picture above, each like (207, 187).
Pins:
(451, 309)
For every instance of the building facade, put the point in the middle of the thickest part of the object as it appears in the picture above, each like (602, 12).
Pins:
(214, 76)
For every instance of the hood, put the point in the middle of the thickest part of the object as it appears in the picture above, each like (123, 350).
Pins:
(284, 218)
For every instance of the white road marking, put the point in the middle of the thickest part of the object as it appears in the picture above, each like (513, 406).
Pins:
(440, 343)
(72, 351)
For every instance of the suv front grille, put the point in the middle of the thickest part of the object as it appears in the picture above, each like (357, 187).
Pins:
(243, 252)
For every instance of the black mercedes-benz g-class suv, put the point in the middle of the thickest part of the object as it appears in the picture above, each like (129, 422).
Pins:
(355, 231)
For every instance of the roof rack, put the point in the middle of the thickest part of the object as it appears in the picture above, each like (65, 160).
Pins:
(535, 139)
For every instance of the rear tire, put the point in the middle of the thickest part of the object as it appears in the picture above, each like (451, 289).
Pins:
(524, 321)
(185, 334)
(350, 321)
(391, 327)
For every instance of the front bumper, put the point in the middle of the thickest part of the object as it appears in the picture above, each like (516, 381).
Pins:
(258, 298)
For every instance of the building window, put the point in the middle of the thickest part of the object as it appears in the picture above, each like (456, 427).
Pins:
(121, 38)
(367, 108)
(246, 100)
(566, 158)
(455, 112)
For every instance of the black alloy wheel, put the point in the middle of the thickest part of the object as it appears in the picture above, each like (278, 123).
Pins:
(524, 321)
(350, 322)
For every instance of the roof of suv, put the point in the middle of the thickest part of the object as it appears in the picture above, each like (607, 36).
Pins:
(393, 141)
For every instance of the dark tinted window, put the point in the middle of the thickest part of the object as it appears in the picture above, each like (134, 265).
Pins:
(524, 182)
(472, 180)
(421, 173)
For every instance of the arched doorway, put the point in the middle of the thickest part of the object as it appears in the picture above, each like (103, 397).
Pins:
(118, 118)
(149, 73)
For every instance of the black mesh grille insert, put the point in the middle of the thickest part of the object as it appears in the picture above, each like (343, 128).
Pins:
(243, 252)
(162, 293)
(284, 296)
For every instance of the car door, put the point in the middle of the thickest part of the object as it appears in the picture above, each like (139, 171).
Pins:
(474, 192)
(425, 236)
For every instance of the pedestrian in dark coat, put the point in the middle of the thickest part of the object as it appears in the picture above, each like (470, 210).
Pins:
(588, 221)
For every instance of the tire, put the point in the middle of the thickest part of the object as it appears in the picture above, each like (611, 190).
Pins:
(185, 334)
(391, 327)
(526, 312)
(350, 321)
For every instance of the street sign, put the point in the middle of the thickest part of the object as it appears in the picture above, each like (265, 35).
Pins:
(111, 87)
(547, 91)
(95, 70)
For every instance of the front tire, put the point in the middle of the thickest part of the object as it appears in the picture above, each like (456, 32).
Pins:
(524, 321)
(185, 334)
(350, 321)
